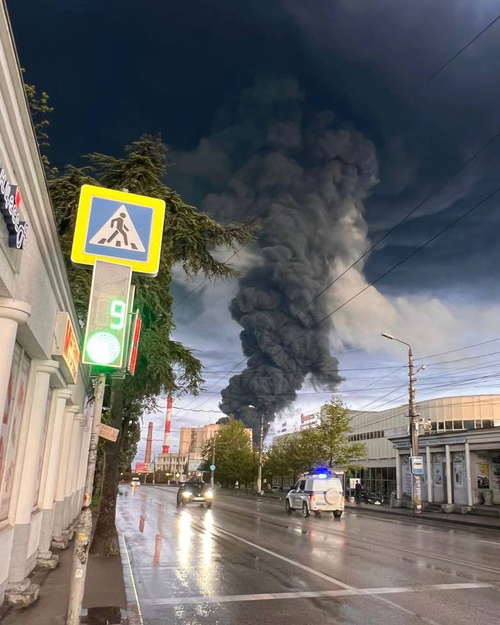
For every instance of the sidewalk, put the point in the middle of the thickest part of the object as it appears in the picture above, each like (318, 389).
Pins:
(104, 600)
(471, 520)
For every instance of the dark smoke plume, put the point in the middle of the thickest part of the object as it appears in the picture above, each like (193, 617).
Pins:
(304, 179)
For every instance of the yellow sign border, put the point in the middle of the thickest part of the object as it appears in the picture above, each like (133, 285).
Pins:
(78, 254)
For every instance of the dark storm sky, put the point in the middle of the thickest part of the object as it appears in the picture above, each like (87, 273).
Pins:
(118, 68)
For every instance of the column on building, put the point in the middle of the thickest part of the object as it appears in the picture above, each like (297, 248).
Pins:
(12, 314)
(25, 545)
(82, 465)
(429, 475)
(50, 473)
(449, 492)
(399, 476)
(72, 469)
(468, 471)
(60, 540)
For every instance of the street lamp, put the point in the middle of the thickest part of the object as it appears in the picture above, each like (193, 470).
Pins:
(261, 447)
(417, 490)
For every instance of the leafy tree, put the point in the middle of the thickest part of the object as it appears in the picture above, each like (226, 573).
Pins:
(235, 458)
(40, 111)
(327, 443)
(332, 436)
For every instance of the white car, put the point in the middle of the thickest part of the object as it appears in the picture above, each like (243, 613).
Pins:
(316, 492)
(135, 482)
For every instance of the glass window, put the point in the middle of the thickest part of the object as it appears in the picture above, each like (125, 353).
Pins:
(440, 425)
(433, 426)
(458, 425)
(302, 484)
(469, 424)
(448, 425)
(487, 423)
(11, 426)
(478, 423)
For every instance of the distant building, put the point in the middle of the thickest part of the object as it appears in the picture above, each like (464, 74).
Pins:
(190, 455)
(380, 430)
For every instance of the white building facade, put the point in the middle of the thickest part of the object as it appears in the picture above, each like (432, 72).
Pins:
(385, 469)
(44, 427)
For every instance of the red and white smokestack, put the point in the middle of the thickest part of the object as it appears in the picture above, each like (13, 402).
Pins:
(149, 444)
(168, 426)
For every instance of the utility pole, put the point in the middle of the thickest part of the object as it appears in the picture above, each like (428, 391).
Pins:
(84, 528)
(261, 445)
(212, 471)
(416, 483)
(414, 425)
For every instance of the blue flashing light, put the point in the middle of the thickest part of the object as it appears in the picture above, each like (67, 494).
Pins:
(322, 476)
(321, 473)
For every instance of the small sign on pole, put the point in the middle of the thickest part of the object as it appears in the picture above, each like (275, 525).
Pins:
(109, 433)
(417, 465)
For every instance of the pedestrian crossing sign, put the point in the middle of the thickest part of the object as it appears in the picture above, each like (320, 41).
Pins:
(118, 227)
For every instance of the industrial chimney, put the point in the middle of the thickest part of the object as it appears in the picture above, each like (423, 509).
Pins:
(168, 425)
(149, 444)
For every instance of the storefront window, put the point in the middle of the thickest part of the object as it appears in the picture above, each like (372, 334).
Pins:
(11, 426)
(469, 425)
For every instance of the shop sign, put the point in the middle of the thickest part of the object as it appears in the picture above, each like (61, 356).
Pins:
(65, 346)
(10, 200)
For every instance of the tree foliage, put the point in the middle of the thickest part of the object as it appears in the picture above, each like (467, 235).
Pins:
(328, 443)
(235, 458)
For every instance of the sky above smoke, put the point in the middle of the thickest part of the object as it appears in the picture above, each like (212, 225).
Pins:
(162, 69)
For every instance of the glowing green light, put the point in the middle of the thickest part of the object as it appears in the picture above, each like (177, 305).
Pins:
(103, 348)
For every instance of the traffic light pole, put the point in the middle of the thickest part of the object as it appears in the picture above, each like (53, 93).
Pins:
(84, 527)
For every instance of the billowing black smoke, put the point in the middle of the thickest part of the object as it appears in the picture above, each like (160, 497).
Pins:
(304, 179)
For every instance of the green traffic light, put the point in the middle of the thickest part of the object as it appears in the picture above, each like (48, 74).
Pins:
(103, 348)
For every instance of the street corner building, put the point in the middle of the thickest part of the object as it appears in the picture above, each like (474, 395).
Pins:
(44, 422)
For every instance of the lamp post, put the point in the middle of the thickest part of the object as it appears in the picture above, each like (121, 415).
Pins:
(413, 415)
(261, 448)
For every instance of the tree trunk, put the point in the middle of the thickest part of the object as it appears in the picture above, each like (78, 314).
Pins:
(105, 542)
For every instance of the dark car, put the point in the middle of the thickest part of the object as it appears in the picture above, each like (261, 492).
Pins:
(372, 498)
(195, 492)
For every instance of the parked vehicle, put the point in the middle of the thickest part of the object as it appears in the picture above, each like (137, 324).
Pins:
(317, 492)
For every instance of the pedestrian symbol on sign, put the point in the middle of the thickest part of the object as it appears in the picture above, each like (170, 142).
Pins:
(119, 232)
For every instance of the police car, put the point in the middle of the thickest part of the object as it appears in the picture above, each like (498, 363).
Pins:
(318, 491)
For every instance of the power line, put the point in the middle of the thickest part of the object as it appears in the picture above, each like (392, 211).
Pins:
(458, 53)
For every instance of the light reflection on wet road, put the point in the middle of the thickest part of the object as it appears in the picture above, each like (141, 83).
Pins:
(245, 562)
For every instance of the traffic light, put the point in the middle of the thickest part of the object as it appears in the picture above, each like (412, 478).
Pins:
(107, 326)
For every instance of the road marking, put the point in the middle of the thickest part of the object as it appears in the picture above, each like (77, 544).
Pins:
(304, 567)
(490, 542)
(132, 581)
(312, 594)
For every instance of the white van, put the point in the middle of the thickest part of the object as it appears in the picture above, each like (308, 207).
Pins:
(316, 492)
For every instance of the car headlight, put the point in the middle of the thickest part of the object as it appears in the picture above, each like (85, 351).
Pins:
(187, 494)
(209, 494)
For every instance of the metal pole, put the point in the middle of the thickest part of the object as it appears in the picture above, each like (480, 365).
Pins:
(154, 470)
(84, 527)
(212, 471)
(261, 444)
(416, 482)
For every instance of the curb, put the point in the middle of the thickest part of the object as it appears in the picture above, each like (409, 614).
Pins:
(134, 613)
(426, 517)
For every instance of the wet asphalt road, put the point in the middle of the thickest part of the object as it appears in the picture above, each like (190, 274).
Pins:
(246, 563)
